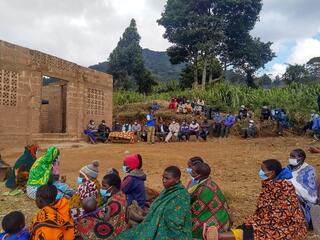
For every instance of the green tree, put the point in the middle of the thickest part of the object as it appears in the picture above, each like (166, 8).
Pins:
(195, 27)
(296, 74)
(254, 55)
(126, 63)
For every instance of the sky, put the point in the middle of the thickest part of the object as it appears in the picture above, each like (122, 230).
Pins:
(85, 32)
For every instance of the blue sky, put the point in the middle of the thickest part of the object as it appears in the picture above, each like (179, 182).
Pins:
(86, 32)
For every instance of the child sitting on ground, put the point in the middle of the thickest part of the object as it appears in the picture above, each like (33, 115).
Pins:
(133, 184)
(53, 221)
(14, 226)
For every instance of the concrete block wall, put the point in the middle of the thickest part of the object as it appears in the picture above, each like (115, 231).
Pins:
(26, 118)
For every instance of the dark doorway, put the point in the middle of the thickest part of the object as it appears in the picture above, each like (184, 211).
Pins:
(53, 117)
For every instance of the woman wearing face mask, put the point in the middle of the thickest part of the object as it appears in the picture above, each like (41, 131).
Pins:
(190, 170)
(88, 185)
(306, 184)
(109, 220)
(278, 214)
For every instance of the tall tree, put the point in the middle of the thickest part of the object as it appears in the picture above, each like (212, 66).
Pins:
(204, 29)
(195, 27)
(296, 74)
(126, 63)
(254, 55)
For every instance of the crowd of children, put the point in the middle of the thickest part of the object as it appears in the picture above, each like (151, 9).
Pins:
(122, 209)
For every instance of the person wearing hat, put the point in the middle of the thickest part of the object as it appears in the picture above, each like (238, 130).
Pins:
(133, 183)
(265, 114)
(243, 113)
(251, 130)
(88, 185)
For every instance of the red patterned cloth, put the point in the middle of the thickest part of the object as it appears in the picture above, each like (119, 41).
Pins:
(278, 215)
(121, 136)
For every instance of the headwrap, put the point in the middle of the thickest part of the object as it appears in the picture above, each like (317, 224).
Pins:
(91, 170)
(41, 170)
(87, 189)
(33, 148)
(132, 161)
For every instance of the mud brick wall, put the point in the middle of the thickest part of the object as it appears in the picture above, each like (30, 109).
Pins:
(88, 94)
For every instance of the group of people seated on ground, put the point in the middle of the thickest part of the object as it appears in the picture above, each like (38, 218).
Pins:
(185, 106)
(123, 209)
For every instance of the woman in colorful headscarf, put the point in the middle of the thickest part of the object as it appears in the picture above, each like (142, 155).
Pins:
(41, 171)
(88, 185)
(19, 174)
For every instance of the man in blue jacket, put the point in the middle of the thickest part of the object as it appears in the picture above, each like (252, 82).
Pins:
(184, 131)
(228, 122)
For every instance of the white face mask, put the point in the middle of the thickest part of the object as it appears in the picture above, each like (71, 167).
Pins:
(293, 161)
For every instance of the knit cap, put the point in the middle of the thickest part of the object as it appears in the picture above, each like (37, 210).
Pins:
(91, 170)
(132, 161)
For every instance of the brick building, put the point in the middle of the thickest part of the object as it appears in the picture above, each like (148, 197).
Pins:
(43, 97)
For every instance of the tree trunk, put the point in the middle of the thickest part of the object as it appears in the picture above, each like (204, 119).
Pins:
(195, 73)
(250, 80)
(204, 74)
(210, 76)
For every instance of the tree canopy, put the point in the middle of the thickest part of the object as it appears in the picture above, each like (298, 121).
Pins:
(201, 30)
(126, 63)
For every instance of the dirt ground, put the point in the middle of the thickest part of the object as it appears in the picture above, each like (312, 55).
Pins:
(235, 164)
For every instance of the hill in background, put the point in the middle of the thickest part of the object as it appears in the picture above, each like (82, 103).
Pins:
(157, 62)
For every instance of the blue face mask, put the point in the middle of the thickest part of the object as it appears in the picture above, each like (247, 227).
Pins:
(105, 193)
(125, 169)
(194, 180)
(262, 175)
(80, 180)
(189, 170)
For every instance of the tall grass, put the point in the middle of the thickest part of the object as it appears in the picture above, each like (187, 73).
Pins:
(297, 99)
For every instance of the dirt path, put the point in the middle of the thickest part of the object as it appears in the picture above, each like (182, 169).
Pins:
(235, 164)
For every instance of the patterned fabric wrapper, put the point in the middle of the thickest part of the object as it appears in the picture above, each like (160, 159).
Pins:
(169, 218)
(120, 136)
(278, 214)
(209, 206)
(53, 222)
(41, 170)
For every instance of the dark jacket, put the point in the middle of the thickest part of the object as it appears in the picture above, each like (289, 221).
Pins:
(117, 128)
(103, 128)
(165, 128)
(133, 187)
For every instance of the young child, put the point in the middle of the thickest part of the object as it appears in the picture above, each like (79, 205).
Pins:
(14, 226)
(133, 184)
(53, 221)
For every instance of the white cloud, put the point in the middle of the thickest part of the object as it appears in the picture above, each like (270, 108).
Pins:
(304, 51)
(278, 69)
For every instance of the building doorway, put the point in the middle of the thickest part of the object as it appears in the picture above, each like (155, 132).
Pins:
(53, 114)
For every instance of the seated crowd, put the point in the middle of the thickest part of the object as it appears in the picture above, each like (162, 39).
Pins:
(122, 209)
(212, 122)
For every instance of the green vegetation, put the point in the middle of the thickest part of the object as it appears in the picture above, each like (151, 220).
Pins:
(202, 31)
(297, 99)
(126, 63)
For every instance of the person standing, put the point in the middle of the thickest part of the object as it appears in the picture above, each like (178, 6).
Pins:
(150, 126)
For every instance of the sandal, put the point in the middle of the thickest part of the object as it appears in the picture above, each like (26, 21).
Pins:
(210, 233)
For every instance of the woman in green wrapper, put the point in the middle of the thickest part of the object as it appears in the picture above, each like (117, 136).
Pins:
(208, 204)
(41, 171)
(19, 174)
(169, 216)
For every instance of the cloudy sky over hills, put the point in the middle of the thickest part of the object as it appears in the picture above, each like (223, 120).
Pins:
(86, 32)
